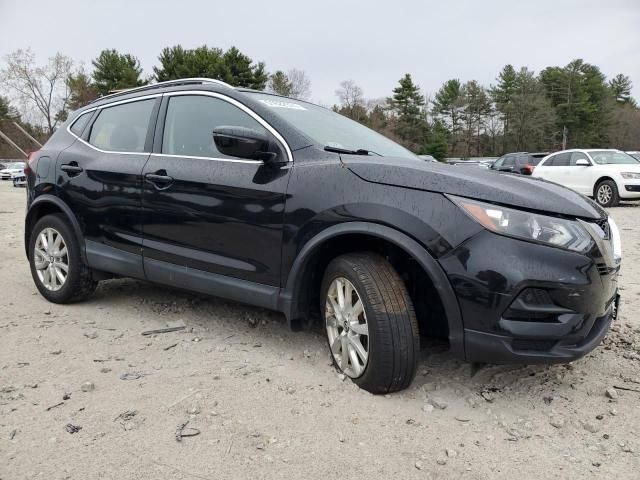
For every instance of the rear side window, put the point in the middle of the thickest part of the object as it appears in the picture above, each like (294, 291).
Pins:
(190, 120)
(78, 126)
(122, 128)
(560, 160)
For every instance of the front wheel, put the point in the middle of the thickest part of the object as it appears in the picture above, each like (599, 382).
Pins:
(57, 268)
(607, 194)
(370, 322)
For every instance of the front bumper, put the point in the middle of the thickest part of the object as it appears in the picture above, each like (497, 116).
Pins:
(491, 275)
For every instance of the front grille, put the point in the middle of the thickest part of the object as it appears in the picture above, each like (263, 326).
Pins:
(602, 268)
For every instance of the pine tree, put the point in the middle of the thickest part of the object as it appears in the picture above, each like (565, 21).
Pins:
(407, 105)
(116, 71)
(621, 86)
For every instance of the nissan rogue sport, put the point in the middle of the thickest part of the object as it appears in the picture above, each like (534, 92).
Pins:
(285, 205)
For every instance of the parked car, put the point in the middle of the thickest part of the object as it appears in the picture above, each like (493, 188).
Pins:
(635, 155)
(522, 163)
(19, 179)
(283, 204)
(11, 168)
(606, 175)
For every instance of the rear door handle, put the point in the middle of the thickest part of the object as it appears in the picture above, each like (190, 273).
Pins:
(159, 181)
(71, 168)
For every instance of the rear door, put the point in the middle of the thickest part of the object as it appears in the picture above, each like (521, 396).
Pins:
(554, 168)
(100, 177)
(206, 214)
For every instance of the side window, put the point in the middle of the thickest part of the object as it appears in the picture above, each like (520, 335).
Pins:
(558, 160)
(122, 128)
(498, 163)
(575, 156)
(78, 125)
(190, 120)
(509, 161)
(562, 160)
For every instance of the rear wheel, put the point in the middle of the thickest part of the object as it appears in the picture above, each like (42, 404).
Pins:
(370, 322)
(607, 194)
(57, 268)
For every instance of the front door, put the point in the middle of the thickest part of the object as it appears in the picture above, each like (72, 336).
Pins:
(207, 215)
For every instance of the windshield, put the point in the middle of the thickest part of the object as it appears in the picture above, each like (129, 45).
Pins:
(635, 155)
(608, 157)
(14, 165)
(329, 128)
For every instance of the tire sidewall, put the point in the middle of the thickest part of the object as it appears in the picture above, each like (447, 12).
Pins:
(73, 254)
(335, 270)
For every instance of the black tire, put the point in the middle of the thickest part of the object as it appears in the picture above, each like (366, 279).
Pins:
(79, 283)
(614, 199)
(393, 339)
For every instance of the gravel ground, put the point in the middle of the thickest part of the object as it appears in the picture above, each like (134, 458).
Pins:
(268, 404)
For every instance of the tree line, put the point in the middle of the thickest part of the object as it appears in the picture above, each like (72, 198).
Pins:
(570, 106)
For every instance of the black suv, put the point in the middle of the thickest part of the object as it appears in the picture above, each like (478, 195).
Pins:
(521, 162)
(286, 205)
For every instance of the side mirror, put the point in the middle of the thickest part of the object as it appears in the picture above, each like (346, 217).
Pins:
(582, 162)
(246, 143)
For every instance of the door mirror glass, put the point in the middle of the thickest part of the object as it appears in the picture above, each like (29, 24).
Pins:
(243, 142)
(582, 162)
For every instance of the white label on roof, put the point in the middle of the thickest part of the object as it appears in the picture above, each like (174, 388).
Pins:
(282, 104)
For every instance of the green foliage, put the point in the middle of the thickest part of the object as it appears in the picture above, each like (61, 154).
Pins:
(438, 143)
(81, 90)
(621, 86)
(231, 66)
(579, 95)
(279, 83)
(408, 107)
(116, 71)
(4, 107)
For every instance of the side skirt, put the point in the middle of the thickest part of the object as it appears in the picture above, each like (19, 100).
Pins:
(237, 290)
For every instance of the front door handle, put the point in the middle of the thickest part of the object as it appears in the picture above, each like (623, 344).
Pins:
(71, 168)
(159, 181)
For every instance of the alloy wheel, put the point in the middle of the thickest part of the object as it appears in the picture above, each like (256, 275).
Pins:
(51, 259)
(604, 194)
(347, 328)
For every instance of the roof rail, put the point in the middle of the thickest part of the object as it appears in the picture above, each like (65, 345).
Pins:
(168, 83)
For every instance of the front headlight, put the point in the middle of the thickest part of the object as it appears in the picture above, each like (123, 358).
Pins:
(533, 227)
(630, 175)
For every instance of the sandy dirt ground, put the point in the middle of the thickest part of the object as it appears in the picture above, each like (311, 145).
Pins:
(268, 404)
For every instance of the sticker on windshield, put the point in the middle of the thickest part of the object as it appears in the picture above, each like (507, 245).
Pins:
(282, 104)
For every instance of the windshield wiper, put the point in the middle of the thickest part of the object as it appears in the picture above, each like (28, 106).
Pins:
(346, 151)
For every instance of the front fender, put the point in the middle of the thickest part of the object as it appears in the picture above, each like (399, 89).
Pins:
(290, 294)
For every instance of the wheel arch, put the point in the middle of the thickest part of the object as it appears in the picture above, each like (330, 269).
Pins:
(600, 180)
(295, 297)
(46, 205)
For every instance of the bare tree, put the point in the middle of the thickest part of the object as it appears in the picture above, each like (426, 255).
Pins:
(350, 95)
(300, 84)
(43, 89)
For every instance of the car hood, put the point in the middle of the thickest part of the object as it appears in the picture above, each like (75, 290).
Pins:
(505, 189)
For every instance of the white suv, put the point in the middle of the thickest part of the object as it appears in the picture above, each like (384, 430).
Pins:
(606, 175)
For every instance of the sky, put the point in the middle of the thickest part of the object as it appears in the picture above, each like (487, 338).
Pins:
(371, 42)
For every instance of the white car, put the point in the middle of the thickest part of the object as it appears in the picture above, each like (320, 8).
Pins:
(10, 169)
(19, 179)
(635, 155)
(606, 175)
